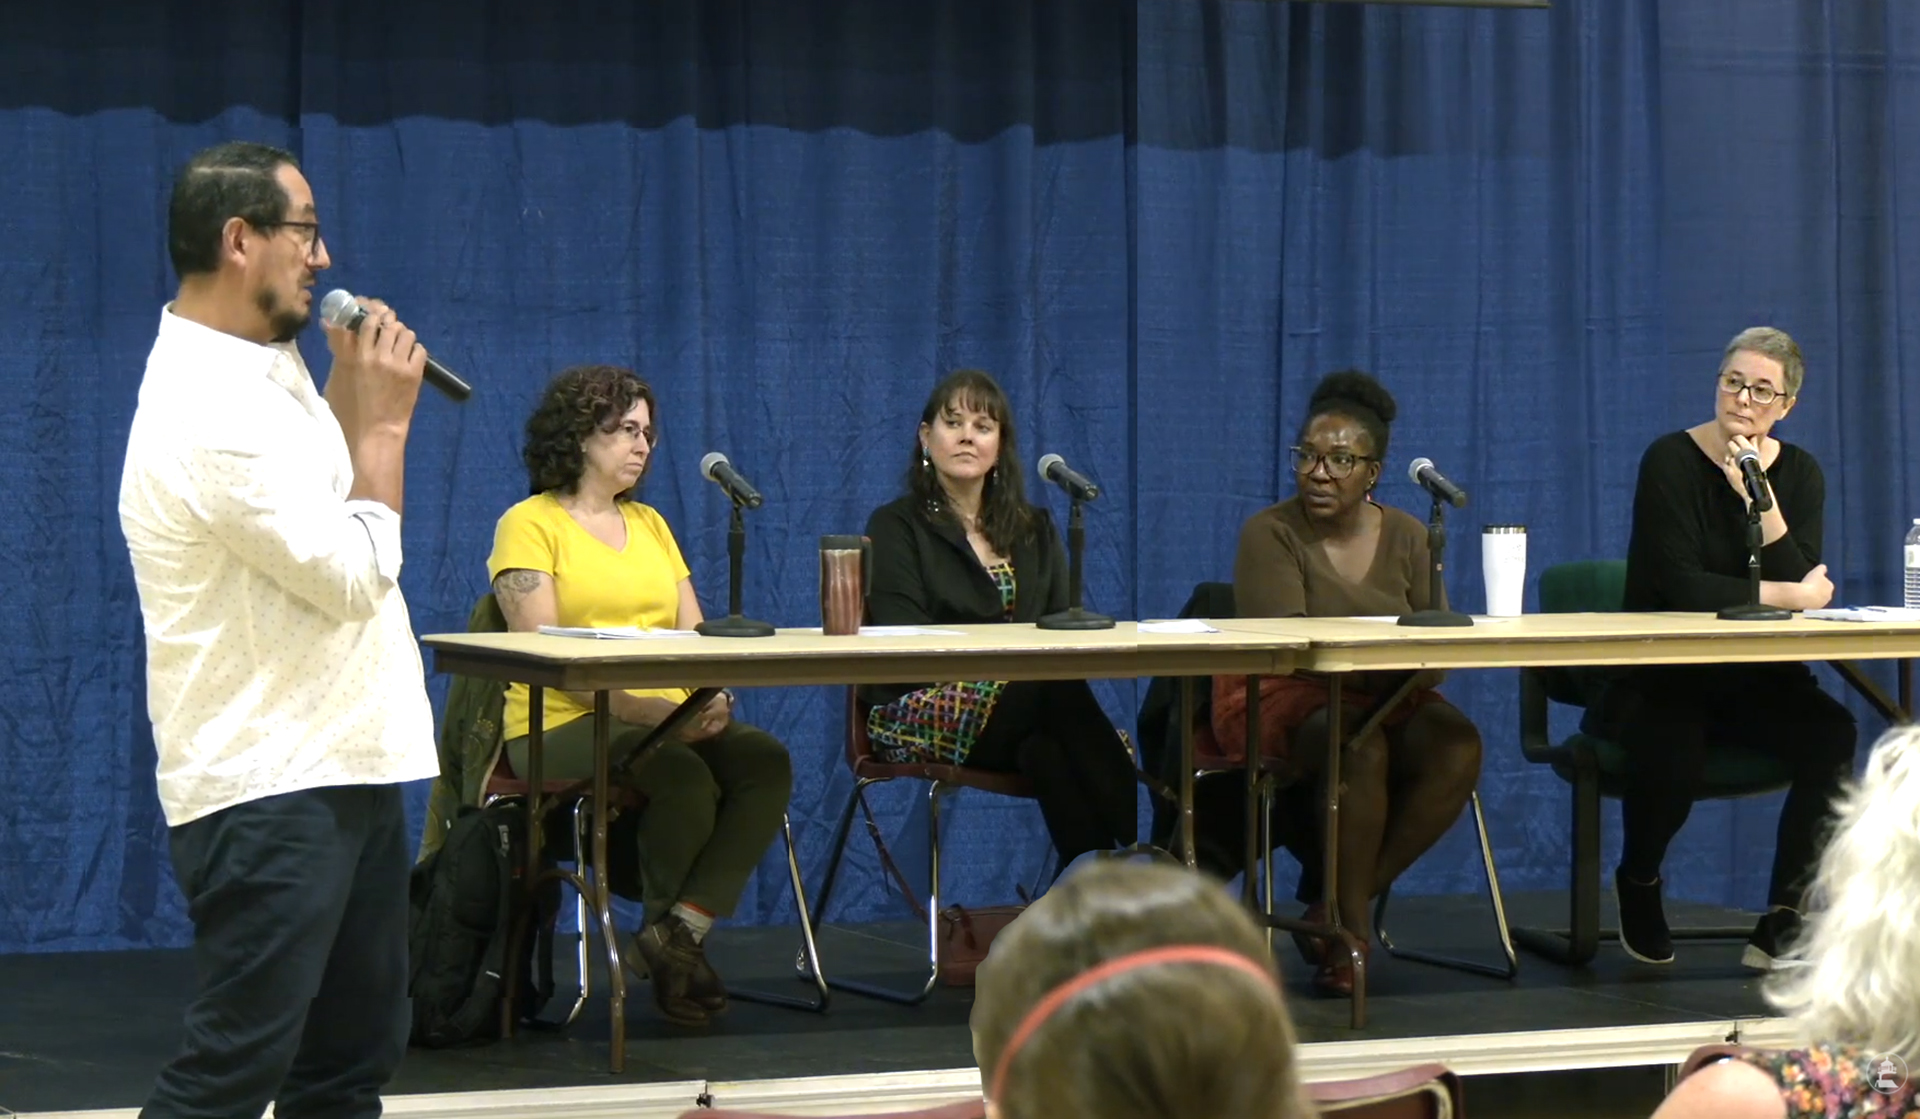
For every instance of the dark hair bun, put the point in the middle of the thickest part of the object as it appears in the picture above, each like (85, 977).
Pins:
(1351, 386)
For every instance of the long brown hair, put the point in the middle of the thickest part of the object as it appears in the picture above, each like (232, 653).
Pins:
(1175, 1041)
(1005, 518)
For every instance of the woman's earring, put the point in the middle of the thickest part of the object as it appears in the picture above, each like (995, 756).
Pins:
(926, 460)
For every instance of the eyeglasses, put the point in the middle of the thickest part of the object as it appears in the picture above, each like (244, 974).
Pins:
(633, 432)
(311, 236)
(1762, 395)
(1339, 463)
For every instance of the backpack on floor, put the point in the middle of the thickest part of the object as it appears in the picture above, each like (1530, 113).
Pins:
(465, 898)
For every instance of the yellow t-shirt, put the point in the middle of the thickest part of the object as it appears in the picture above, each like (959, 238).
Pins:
(593, 585)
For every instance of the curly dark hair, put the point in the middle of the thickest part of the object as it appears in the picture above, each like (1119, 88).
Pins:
(580, 401)
(1356, 395)
(1005, 518)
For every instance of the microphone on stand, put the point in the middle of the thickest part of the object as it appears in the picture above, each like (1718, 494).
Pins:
(715, 468)
(1055, 469)
(1422, 474)
(1444, 493)
(1757, 487)
(343, 312)
(1761, 495)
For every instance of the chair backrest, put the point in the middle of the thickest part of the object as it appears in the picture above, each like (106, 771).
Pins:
(965, 1109)
(1707, 1055)
(859, 747)
(1422, 1092)
(1582, 587)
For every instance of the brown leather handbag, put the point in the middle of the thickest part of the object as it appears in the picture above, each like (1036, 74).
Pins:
(966, 935)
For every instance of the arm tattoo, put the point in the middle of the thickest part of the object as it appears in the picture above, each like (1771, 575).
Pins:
(516, 584)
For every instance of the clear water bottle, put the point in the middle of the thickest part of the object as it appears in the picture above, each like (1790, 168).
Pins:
(1913, 566)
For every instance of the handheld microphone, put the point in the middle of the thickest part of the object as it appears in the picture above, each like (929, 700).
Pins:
(1757, 488)
(1055, 469)
(715, 468)
(1422, 473)
(340, 309)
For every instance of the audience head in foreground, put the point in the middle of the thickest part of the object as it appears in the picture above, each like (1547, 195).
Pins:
(1853, 984)
(1131, 991)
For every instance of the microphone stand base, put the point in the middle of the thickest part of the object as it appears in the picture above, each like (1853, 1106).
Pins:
(1435, 618)
(733, 625)
(1074, 618)
(1754, 612)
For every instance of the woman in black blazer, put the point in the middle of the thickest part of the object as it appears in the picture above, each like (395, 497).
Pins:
(962, 545)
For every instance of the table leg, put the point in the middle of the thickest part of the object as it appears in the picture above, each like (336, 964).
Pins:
(602, 895)
(1901, 712)
(530, 879)
(1187, 853)
(1341, 939)
(1252, 852)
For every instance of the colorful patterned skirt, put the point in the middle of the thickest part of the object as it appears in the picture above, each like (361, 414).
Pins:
(937, 724)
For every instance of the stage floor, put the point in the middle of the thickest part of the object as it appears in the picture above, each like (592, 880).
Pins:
(86, 1032)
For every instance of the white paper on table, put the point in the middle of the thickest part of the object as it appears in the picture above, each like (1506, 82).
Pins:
(1865, 614)
(1177, 625)
(615, 633)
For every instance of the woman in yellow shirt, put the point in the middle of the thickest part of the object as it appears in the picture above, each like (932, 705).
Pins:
(582, 552)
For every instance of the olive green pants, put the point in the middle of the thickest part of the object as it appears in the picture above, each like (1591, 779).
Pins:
(713, 807)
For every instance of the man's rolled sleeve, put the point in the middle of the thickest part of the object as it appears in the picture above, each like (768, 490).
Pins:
(383, 529)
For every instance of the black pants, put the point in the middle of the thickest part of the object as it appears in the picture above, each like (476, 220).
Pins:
(1054, 733)
(299, 907)
(1670, 718)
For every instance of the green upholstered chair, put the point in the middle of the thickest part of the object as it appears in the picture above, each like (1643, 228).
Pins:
(1596, 767)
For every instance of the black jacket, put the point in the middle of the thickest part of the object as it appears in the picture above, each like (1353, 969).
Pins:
(925, 573)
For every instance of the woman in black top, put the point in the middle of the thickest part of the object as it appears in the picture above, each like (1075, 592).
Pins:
(1689, 553)
(963, 546)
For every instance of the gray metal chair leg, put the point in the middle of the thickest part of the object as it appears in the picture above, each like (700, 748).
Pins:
(1512, 966)
(809, 948)
(843, 833)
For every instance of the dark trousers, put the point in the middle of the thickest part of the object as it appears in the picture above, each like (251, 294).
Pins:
(1669, 719)
(1054, 733)
(299, 907)
(713, 807)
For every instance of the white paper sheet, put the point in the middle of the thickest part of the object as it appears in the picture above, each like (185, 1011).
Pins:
(1178, 625)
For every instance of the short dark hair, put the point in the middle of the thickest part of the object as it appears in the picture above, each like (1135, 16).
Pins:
(580, 401)
(1357, 396)
(1005, 518)
(231, 180)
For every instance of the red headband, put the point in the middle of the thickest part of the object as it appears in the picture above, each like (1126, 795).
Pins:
(1172, 954)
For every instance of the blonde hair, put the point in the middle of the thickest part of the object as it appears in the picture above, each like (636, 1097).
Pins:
(1861, 944)
(1173, 1041)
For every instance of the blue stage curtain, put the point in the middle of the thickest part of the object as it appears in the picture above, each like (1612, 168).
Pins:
(1158, 224)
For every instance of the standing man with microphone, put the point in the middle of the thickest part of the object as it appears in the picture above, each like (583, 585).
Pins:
(284, 683)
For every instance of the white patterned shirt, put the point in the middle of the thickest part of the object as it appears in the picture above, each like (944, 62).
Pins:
(280, 656)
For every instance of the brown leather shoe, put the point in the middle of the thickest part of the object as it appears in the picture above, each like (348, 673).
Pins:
(664, 954)
(705, 987)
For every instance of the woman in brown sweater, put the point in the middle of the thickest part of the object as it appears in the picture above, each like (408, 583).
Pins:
(1331, 552)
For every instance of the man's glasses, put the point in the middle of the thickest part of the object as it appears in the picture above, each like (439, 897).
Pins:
(1762, 395)
(1339, 463)
(310, 231)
